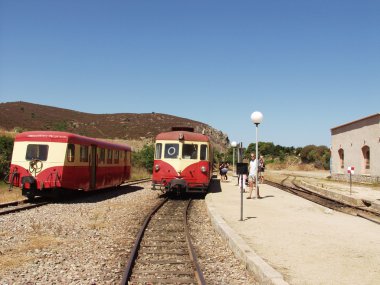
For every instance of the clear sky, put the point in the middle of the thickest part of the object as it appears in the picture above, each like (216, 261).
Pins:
(307, 65)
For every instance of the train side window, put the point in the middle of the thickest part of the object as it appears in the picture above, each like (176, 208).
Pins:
(109, 156)
(70, 153)
(204, 151)
(157, 154)
(102, 155)
(37, 151)
(83, 153)
(190, 151)
(128, 154)
(171, 150)
(116, 157)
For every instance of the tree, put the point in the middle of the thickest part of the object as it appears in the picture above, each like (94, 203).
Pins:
(6, 148)
(144, 158)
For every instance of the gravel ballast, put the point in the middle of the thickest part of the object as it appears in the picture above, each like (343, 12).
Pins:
(88, 242)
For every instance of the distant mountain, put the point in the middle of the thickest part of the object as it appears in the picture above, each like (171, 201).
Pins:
(23, 116)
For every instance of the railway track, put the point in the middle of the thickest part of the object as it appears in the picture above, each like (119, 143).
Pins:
(17, 206)
(324, 201)
(26, 204)
(163, 252)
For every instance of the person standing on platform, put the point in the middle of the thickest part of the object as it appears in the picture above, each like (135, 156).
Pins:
(261, 169)
(252, 176)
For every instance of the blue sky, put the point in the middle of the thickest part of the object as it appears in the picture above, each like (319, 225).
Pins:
(307, 65)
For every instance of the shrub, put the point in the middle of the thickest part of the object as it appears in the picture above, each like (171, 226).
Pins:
(6, 148)
(144, 158)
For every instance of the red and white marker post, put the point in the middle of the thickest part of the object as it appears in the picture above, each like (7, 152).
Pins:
(351, 170)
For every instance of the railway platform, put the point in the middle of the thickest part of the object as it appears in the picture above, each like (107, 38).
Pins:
(284, 239)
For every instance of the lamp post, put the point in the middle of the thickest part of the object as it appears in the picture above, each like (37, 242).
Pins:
(257, 118)
(233, 144)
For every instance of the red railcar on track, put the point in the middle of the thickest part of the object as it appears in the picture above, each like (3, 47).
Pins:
(183, 162)
(45, 162)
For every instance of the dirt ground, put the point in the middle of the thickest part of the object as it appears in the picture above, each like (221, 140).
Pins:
(305, 242)
(317, 245)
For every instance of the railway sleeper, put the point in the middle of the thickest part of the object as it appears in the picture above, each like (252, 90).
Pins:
(163, 281)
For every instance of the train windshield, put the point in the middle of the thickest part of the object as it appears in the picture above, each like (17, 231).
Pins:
(37, 151)
(171, 150)
(190, 151)
(157, 154)
(204, 152)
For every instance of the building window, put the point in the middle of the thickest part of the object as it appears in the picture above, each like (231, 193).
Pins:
(341, 157)
(366, 156)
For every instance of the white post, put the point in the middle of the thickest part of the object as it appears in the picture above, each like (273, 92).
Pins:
(233, 144)
(257, 118)
(257, 162)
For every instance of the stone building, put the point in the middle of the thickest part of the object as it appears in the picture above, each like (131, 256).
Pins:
(357, 144)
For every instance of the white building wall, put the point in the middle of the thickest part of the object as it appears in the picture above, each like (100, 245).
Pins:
(351, 138)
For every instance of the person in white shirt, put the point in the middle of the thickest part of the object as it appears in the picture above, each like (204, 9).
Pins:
(252, 176)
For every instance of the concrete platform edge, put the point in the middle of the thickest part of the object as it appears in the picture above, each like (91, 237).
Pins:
(253, 262)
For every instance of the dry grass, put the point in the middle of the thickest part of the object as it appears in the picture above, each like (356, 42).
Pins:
(98, 220)
(294, 167)
(19, 254)
(9, 196)
(140, 173)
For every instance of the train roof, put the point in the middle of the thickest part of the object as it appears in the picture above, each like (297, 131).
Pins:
(65, 137)
(187, 136)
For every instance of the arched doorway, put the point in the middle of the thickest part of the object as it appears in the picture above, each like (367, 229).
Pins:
(366, 159)
(341, 158)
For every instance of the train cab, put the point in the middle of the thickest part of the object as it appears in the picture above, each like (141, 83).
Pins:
(182, 162)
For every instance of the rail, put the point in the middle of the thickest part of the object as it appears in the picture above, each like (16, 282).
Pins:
(159, 253)
(326, 201)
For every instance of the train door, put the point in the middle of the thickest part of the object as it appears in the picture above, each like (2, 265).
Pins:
(93, 167)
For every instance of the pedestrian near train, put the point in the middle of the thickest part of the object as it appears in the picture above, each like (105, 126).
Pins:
(252, 176)
(223, 171)
(261, 169)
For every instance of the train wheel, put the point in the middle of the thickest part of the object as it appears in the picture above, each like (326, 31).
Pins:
(30, 196)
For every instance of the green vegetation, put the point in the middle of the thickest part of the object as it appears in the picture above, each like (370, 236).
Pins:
(6, 148)
(60, 126)
(144, 158)
(318, 156)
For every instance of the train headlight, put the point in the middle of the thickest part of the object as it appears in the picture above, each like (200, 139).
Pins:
(203, 169)
(157, 167)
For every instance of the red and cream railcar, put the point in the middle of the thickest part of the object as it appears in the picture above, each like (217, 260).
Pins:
(182, 162)
(45, 162)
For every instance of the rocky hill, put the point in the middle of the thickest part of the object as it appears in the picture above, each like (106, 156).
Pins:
(134, 129)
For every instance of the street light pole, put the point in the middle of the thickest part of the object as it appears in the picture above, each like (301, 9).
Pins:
(233, 144)
(257, 118)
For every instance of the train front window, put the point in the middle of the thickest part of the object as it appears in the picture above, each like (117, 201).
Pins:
(203, 152)
(157, 153)
(190, 151)
(37, 151)
(171, 150)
